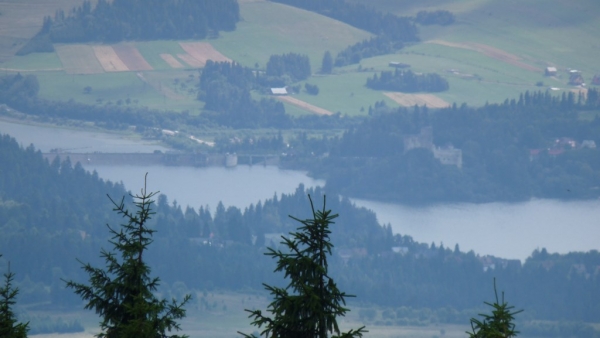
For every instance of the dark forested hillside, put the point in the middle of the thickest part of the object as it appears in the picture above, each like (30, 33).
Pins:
(537, 146)
(113, 21)
(47, 210)
(51, 214)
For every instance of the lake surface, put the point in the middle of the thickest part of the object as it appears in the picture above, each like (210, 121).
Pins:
(195, 187)
(74, 141)
(509, 230)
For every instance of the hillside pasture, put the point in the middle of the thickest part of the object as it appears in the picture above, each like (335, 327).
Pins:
(490, 51)
(20, 20)
(269, 28)
(109, 60)
(79, 59)
(131, 57)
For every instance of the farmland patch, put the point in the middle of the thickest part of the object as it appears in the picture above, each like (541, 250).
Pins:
(191, 61)
(203, 52)
(79, 59)
(131, 57)
(109, 60)
(409, 100)
(172, 61)
(304, 105)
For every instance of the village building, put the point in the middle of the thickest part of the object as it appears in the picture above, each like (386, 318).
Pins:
(398, 64)
(550, 71)
(279, 91)
(448, 155)
(590, 144)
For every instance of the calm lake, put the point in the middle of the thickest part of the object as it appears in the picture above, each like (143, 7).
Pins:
(501, 229)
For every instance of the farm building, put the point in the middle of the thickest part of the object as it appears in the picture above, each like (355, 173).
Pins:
(550, 71)
(398, 64)
(575, 78)
(279, 91)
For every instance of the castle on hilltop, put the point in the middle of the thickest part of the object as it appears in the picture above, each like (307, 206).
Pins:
(447, 155)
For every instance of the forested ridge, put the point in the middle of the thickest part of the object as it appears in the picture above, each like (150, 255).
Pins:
(230, 242)
(532, 147)
(118, 20)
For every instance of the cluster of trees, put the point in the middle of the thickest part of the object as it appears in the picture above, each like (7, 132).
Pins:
(439, 17)
(114, 21)
(296, 66)
(230, 243)
(509, 152)
(225, 88)
(374, 46)
(311, 89)
(408, 82)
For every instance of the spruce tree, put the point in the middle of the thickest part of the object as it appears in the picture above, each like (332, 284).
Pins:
(327, 63)
(123, 292)
(500, 324)
(310, 304)
(9, 327)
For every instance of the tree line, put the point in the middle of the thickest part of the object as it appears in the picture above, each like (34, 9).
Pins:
(407, 82)
(296, 66)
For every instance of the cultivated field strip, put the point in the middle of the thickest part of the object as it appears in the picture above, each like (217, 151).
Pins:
(109, 60)
(410, 100)
(131, 57)
(78, 59)
(191, 61)
(172, 61)
(304, 105)
(203, 52)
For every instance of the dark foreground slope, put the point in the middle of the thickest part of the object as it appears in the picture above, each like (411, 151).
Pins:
(52, 214)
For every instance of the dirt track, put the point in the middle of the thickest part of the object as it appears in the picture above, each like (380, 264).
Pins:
(304, 105)
(489, 51)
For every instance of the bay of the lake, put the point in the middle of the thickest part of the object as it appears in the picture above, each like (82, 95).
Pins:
(509, 230)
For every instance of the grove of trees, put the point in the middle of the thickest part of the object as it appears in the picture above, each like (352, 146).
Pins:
(408, 82)
(118, 20)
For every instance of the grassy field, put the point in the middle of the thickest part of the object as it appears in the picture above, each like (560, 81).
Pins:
(269, 28)
(491, 53)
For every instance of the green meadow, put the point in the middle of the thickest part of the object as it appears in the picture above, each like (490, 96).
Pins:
(537, 34)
